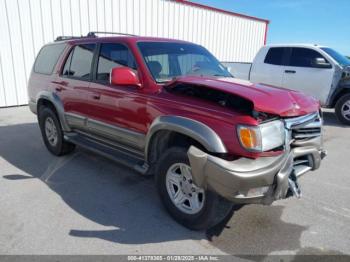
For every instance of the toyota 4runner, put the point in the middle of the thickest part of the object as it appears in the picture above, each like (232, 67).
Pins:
(169, 108)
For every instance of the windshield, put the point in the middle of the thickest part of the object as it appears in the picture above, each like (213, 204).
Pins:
(167, 60)
(342, 60)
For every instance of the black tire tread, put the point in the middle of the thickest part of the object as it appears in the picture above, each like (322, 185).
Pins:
(338, 107)
(216, 208)
(63, 147)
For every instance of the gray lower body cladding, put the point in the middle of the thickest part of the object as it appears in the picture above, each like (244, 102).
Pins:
(234, 179)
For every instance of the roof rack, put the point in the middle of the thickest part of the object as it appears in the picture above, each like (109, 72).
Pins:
(89, 35)
(64, 37)
(93, 34)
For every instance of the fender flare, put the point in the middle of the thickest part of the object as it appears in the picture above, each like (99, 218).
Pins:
(56, 101)
(337, 94)
(189, 127)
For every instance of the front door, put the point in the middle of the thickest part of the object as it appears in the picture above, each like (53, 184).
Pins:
(301, 74)
(116, 112)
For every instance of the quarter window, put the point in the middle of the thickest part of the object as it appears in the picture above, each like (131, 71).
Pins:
(304, 57)
(47, 58)
(275, 56)
(78, 64)
(113, 55)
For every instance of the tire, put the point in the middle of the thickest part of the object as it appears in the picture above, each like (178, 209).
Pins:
(54, 143)
(343, 106)
(212, 208)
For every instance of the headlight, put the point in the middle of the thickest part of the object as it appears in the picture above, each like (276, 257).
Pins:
(263, 137)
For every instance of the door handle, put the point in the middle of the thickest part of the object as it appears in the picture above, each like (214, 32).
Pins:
(59, 88)
(96, 96)
(290, 71)
(62, 83)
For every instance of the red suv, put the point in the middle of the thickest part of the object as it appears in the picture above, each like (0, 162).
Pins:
(169, 108)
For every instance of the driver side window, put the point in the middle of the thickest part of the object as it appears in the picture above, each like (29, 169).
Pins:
(304, 57)
(113, 55)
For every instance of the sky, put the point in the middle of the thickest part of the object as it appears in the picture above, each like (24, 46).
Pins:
(324, 22)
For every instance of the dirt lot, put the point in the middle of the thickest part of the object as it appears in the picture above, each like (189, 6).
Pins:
(85, 204)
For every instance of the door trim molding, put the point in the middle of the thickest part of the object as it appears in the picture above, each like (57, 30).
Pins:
(114, 133)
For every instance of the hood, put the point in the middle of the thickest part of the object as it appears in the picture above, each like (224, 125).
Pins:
(267, 99)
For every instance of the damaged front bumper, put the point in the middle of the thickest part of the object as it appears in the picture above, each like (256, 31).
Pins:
(253, 181)
(265, 179)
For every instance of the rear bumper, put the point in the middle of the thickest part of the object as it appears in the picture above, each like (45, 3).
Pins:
(253, 181)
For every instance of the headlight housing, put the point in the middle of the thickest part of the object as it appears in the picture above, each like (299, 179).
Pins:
(263, 137)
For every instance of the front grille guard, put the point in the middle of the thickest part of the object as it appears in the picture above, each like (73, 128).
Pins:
(300, 131)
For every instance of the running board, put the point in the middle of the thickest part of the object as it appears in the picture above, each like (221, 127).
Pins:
(117, 155)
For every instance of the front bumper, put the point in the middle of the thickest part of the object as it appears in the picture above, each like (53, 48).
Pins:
(235, 180)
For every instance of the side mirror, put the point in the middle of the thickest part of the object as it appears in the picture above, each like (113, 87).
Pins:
(320, 62)
(124, 76)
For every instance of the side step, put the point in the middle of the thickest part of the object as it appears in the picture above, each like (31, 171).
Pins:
(118, 155)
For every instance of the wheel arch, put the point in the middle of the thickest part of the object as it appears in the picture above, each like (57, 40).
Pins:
(343, 91)
(167, 129)
(51, 99)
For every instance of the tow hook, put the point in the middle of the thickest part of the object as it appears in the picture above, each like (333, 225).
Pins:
(294, 189)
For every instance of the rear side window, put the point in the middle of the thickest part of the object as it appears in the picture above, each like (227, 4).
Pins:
(47, 58)
(78, 64)
(275, 56)
(113, 55)
(304, 57)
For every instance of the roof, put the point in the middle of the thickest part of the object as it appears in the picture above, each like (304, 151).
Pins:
(99, 39)
(186, 2)
(296, 45)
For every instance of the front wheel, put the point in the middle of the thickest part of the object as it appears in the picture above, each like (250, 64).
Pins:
(190, 205)
(342, 109)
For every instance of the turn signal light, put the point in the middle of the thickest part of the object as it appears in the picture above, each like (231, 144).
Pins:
(249, 137)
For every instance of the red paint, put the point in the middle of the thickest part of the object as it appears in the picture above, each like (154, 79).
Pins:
(262, 96)
(221, 10)
(124, 76)
(135, 107)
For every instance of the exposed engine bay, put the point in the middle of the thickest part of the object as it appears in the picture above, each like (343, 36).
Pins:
(221, 98)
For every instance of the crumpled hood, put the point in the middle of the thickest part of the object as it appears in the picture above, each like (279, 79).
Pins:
(268, 99)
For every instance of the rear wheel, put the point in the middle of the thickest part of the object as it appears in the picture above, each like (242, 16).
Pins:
(52, 133)
(190, 205)
(342, 109)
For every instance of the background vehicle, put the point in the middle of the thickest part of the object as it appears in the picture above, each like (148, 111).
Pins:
(169, 108)
(315, 70)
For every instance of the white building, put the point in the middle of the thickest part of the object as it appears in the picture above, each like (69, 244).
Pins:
(25, 25)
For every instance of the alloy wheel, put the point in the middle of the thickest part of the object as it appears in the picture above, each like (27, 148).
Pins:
(184, 194)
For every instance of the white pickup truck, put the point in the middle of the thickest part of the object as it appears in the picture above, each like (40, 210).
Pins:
(315, 70)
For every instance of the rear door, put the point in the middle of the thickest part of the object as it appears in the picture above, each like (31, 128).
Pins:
(73, 84)
(269, 70)
(301, 74)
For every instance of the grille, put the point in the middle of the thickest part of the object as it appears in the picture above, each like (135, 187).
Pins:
(304, 131)
(304, 128)
(308, 131)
